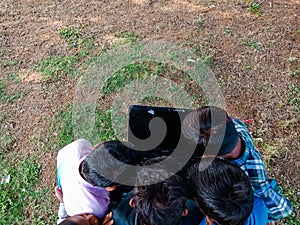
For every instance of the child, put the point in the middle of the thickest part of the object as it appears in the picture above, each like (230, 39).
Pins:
(230, 199)
(81, 219)
(211, 129)
(158, 198)
(79, 165)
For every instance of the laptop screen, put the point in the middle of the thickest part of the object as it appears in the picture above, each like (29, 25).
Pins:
(156, 127)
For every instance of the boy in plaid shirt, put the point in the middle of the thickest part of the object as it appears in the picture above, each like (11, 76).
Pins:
(209, 128)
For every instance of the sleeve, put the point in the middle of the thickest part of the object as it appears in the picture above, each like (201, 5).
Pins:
(267, 189)
(62, 213)
(278, 205)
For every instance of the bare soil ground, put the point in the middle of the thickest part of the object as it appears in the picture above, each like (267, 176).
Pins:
(253, 57)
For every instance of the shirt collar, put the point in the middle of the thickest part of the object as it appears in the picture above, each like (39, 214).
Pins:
(243, 158)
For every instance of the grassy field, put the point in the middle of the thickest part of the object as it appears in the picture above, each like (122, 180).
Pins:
(28, 153)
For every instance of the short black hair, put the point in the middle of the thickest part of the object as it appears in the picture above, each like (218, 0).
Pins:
(210, 126)
(109, 159)
(222, 190)
(160, 203)
(67, 222)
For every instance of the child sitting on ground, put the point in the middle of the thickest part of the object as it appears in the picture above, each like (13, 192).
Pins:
(79, 173)
(81, 219)
(209, 128)
(159, 197)
(230, 199)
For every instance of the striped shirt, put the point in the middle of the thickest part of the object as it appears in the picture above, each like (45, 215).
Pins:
(253, 165)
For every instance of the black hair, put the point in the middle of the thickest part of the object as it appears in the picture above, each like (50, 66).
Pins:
(222, 190)
(210, 125)
(160, 203)
(67, 222)
(109, 159)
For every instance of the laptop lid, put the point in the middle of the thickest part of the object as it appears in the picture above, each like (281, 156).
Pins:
(156, 127)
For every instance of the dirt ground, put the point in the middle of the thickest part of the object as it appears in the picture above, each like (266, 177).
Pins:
(253, 57)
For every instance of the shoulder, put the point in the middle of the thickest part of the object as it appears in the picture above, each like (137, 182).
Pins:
(238, 123)
(259, 214)
(82, 146)
(79, 143)
(82, 143)
(123, 214)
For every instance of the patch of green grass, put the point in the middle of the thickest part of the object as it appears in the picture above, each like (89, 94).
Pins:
(281, 104)
(3, 116)
(269, 151)
(6, 140)
(64, 128)
(248, 67)
(294, 196)
(1, 90)
(254, 45)
(294, 95)
(295, 73)
(57, 66)
(293, 60)
(10, 62)
(290, 192)
(128, 36)
(298, 31)
(103, 126)
(150, 100)
(127, 74)
(228, 30)
(195, 91)
(20, 198)
(102, 130)
(141, 71)
(76, 38)
(262, 88)
(253, 7)
(14, 78)
(13, 97)
(200, 24)
(9, 98)
(204, 55)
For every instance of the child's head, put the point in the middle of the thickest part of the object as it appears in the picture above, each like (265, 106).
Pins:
(222, 191)
(108, 162)
(210, 125)
(81, 219)
(160, 203)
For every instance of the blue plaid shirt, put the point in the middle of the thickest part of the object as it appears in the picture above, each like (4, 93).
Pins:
(253, 165)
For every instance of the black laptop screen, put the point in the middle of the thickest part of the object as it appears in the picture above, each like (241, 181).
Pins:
(140, 117)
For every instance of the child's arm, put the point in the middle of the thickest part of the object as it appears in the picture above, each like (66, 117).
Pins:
(108, 220)
(268, 190)
(253, 165)
(62, 213)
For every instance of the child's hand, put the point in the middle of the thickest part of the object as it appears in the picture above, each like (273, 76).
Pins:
(107, 220)
(59, 194)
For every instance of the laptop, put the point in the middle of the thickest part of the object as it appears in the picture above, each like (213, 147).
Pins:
(154, 130)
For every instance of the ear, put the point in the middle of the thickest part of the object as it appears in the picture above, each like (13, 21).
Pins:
(209, 221)
(112, 188)
(131, 203)
(185, 212)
